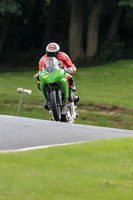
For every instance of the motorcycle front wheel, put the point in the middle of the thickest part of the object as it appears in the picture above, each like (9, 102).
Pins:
(55, 106)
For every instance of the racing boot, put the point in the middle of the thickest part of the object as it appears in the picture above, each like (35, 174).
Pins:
(52, 118)
(76, 99)
(77, 115)
(71, 98)
(46, 105)
(73, 88)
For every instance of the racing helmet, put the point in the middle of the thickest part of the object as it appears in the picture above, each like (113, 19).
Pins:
(52, 50)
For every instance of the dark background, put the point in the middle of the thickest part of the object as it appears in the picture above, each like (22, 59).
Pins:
(90, 31)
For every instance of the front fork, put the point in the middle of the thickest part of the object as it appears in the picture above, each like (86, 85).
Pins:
(60, 97)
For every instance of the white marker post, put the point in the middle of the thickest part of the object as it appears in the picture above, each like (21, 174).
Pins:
(21, 90)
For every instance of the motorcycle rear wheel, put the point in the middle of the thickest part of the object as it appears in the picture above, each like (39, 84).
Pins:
(55, 106)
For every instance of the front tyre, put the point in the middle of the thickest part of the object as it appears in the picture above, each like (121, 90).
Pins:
(55, 106)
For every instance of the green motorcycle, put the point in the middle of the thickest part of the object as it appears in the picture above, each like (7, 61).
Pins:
(55, 90)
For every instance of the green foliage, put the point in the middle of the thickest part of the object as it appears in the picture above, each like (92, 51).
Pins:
(26, 32)
(111, 50)
(126, 3)
(10, 6)
(19, 59)
(48, 1)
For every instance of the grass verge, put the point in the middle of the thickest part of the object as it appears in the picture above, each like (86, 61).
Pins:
(109, 86)
(96, 170)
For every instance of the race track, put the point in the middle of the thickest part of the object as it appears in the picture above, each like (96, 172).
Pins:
(18, 133)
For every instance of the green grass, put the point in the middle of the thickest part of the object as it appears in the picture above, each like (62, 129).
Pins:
(97, 170)
(106, 120)
(108, 85)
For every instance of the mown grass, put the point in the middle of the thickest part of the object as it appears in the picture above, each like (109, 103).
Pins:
(110, 85)
(107, 120)
(96, 170)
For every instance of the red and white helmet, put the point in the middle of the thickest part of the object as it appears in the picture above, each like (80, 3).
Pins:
(52, 50)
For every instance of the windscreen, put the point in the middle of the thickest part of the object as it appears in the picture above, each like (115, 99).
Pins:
(50, 64)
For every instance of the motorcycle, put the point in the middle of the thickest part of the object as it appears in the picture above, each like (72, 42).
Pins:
(55, 90)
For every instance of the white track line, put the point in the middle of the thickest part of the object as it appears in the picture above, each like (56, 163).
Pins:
(37, 147)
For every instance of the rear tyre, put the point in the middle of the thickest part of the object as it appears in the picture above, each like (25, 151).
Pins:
(55, 107)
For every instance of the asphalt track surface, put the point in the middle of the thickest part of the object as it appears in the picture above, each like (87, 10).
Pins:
(19, 133)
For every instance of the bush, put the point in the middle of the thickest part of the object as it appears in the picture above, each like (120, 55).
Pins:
(111, 50)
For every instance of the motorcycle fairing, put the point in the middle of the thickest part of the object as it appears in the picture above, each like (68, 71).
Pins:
(56, 76)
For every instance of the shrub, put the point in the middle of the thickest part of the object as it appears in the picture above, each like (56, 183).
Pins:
(111, 50)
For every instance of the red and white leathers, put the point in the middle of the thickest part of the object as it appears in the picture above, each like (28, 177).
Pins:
(64, 63)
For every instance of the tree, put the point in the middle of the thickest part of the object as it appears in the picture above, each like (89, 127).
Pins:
(76, 29)
(93, 29)
(51, 23)
(7, 8)
(114, 22)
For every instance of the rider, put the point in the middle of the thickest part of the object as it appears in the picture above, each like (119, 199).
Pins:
(52, 50)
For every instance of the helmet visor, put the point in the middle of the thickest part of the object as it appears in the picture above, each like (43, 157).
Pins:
(52, 54)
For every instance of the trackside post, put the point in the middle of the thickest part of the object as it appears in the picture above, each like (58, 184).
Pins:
(21, 90)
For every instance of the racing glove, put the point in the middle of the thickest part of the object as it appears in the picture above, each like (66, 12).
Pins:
(36, 76)
(69, 70)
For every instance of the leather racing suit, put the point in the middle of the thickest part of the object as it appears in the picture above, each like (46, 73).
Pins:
(64, 63)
